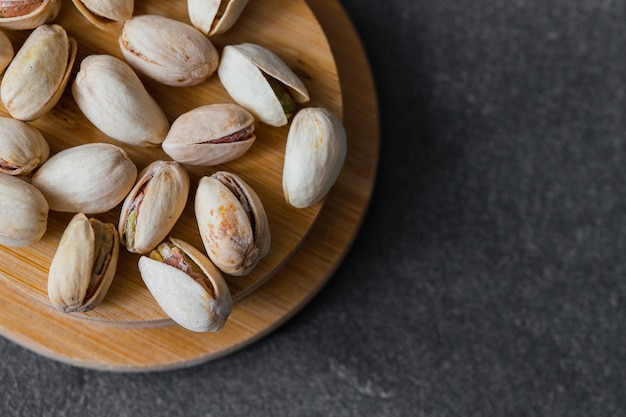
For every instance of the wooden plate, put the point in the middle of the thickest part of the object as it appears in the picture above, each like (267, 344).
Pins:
(288, 28)
(127, 332)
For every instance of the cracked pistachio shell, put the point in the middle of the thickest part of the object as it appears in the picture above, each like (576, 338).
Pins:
(210, 135)
(27, 14)
(106, 14)
(113, 98)
(153, 205)
(23, 212)
(213, 17)
(260, 81)
(193, 293)
(84, 264)
(22, 147)
(168, 51)
(6, 51)
(34, 81)
(232, 223)
(314, 155)
(90, 178)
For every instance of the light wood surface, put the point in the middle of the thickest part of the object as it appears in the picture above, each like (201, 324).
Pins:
(128, 333)
(128, 301)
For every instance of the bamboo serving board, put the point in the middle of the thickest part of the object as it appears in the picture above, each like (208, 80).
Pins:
(128, 331)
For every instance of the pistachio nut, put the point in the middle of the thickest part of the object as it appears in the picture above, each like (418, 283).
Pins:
(213, 17)
(84, 264)
(187, 286)
(90, 178)
(6, 51)
(314, 155)
(34, 81)
(232, 223)
(106, 14)
(210, 135)
(260, 81)
(22, 147)
(153, 205)
(27, 14)
(113, 98)
(23, 212)
(168, 51)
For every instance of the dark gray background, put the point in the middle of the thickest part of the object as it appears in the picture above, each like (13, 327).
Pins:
(489, 275)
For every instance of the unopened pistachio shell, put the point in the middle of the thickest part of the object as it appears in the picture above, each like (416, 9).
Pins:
(210, 135)
(23, 212)
(314, 156)
(22, 147)
(90, 178)
(34, 81)
(168, 51)
(114, 99)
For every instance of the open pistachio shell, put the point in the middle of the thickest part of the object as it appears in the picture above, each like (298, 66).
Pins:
(187, 286)
(153, 205)
(260, 81)
(210, 135)
(23, 212)
(213, 17)
(314, 155)
(106, 14)
(27, 14)
(22, 147)
(113, 98)
(90, 178)
(168, 51)
(232, 223)
(84, 265)
(6, 51)
(34, 81)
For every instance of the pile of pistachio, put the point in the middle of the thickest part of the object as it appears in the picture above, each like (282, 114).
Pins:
(93, 178)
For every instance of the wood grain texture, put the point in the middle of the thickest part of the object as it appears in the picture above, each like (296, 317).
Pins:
(282, 25)
(151, 343)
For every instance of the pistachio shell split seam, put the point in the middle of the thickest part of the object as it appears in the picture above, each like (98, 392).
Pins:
(187, 286)
(84, 265)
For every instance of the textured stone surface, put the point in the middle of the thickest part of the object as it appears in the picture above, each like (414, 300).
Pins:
(489, 276)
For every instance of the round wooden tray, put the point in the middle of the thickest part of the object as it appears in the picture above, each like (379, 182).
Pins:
(147, 341)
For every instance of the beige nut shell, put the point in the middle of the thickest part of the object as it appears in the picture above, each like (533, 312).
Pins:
(182, 298)
(6, 51)
(46, 12)
(22, 147)
(242, 71)
(213, 17)
(69, 277)
(90, 178)
(188, 139)
(23, 212)
(233, 244)
(36, 78)
(164, 188)
(113, 98)
(107, 15)
(168, 51)
(314, 156)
